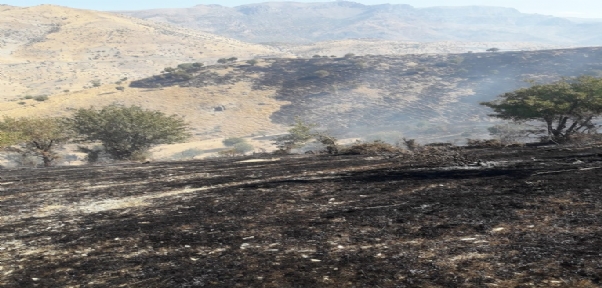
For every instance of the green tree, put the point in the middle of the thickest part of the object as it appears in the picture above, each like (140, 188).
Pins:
(8, 139)
(567, 107)
(252, 62)
(128, 132)
(299, 134)
(40, 135)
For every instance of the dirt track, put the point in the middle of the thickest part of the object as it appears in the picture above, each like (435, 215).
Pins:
(521, 218)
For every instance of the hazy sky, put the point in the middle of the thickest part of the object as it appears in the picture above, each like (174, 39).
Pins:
(565, 8)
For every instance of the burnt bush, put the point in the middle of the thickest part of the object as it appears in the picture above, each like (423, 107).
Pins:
(370, 148)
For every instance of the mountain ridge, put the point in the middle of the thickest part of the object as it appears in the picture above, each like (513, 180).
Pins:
(306, 22)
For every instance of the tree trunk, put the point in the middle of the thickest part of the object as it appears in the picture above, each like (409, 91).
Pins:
(48, 158)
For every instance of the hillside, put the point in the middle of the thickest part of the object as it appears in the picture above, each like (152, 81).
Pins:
(48, 49)
(416, 94)
(429, 96)
(363, 47)
(312, 22)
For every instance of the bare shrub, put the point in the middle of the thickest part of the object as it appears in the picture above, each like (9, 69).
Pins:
(370, 148)
(329, 142)
(411, 144)
(585, 138)
(483, 143)
(441, 155)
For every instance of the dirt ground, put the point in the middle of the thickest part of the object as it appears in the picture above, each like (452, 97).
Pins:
(517, 217)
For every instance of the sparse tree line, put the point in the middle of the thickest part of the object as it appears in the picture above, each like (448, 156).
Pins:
(126, 133)
(569, 110)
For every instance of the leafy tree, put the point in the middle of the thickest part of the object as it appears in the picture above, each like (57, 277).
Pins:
(222, 61)
(128, 132)
(299, 134)
(40, 135)
(567, 107)
(493, 49)
(252, 62)
(8, 139)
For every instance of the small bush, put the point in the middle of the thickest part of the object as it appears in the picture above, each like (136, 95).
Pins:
(189, 153)
(40, 98)
(28, 97)
(483, 143)
(322, 73)
(233, 141)
(411, 144)
(242, 147)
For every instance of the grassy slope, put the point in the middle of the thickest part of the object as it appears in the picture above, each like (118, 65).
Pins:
(48, 49)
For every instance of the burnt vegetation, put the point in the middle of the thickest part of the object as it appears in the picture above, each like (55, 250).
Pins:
(401, 89)
(368, 214)
(518, 217)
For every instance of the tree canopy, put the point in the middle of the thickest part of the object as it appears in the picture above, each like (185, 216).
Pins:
(40, 135)
(299, 133)
(567, 107)
(126, 132)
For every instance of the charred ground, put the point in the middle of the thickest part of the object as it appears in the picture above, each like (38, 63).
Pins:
(520, 217)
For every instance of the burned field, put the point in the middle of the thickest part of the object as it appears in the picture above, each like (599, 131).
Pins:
(521, 217)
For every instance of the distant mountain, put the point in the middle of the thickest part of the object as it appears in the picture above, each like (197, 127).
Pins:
(311, 22)
(48, 49)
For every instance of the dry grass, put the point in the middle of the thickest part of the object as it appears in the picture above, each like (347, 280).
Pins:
(385, 47)
(247, 111)
(49, 49)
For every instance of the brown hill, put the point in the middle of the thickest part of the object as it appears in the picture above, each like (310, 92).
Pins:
(337, 20)
(47, 49)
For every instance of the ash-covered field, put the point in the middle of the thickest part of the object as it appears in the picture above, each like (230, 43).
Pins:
(519, 217)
